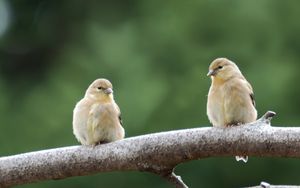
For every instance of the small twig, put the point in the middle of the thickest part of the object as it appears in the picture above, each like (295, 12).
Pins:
(267, 117)
(267, 185)
(171, 177)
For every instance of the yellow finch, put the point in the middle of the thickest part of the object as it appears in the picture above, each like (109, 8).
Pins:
(96, 117)
(230, 98)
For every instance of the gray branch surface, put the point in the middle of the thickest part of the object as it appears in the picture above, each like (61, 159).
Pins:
(267, 185)
(157, 153)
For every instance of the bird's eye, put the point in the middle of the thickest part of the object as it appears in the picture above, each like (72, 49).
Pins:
(99, 88)
(220, 67)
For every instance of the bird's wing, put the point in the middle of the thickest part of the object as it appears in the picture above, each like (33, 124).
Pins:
(252, 99)
(119, 114)
(251, 94)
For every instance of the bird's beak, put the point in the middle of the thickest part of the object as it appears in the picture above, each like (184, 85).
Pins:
(108, 91)
(211, 73)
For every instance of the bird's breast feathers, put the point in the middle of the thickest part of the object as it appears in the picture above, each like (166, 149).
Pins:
(105, 114)
(215, 110)
(231, 103)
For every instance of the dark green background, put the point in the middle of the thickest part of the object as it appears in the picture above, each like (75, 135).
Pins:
(156, 53)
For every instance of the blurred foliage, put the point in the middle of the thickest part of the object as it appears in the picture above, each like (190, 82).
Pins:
(156, 53)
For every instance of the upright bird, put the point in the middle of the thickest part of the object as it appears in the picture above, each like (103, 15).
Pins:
(97, 117)
(230, 99)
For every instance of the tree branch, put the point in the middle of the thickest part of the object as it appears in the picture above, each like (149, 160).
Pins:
(158, 153)
(267, 185)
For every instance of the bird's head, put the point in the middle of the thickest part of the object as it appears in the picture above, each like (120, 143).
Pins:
(223, 69)
(100, 89)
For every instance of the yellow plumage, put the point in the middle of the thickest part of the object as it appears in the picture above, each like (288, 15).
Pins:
(96, 117)
(230, 98)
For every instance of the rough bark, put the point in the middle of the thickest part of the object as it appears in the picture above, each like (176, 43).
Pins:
(158, 153)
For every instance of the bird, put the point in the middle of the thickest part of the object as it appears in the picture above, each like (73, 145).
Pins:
(97, 117)
(230, 100)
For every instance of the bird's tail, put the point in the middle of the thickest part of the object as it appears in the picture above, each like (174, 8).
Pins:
(241, 158)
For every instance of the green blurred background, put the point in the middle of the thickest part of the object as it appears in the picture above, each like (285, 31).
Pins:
(156, 53)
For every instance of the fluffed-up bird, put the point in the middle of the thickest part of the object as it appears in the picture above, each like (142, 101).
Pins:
(230, 99)
(97, 117)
